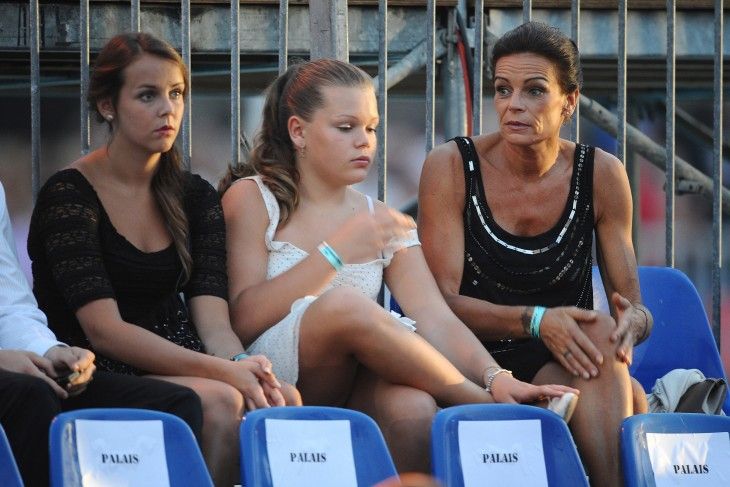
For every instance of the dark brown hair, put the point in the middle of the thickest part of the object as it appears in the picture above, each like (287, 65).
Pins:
(296, 92)
(106, 82)
(548, 42)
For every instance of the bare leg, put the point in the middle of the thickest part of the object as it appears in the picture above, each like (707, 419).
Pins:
(344, 327)
(404, 415)
(641, 405)
(604, 403)
(223, 408)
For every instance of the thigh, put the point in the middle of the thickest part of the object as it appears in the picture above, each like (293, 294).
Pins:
(215, 395)
(524, 359)
(108, 389)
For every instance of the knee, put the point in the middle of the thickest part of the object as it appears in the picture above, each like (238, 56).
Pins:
(222, 404)
(600, 335)
(291, 394)
(349, 306)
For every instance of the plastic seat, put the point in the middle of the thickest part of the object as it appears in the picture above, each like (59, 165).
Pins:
(681, 337)
(562, 466)
(284, 441)
(636, 457)
(185, 465)
(9, 474)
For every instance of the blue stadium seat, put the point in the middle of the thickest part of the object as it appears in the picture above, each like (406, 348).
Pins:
(635, 456)
(185, 465)
(682, 337)
(562, 464)
(9, 474)
(372, 461)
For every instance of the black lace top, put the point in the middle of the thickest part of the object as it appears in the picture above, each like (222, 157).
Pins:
(550, 269)
(78, 257)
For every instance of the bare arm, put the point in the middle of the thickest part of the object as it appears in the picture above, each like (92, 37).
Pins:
(253, 310)
(258, 303)
(616, 258)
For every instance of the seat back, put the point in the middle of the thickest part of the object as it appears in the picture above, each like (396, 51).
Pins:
(675, 449)
(140, 446)
(681, 337)
(312, 446)
(503, 444)
(9, 474)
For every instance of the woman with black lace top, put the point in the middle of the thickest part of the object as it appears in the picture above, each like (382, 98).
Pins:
(123, 234)
(506, 221)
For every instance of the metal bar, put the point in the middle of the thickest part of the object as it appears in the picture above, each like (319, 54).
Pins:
(453, 89)
(621, 95)
(478, 81)
(526, 10)
(430, 71)
(653, 152)
(717, 174)
(411, 62)
(575, 35)
(383, 100)
(670, 130)
(283, 35)
(135, 16)
(235, 83)
(35, 98)
(84, 82)
(328, 29)
(187, 116)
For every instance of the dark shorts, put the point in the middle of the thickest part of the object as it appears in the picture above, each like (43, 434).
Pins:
(523, 357)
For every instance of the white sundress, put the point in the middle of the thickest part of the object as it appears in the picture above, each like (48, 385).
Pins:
(280, 343)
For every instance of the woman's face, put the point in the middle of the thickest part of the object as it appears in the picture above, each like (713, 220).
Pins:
(150, 105)
(528, 98)
(340, 138)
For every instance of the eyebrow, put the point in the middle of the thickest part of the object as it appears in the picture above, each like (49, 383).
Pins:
(534, 78)
(155, 87)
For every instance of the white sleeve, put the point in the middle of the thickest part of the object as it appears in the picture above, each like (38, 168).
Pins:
(22, 325)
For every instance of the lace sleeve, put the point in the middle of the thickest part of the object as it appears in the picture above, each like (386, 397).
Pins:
(207, 241)
(64, 238)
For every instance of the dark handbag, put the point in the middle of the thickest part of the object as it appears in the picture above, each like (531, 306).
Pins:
(706, 397)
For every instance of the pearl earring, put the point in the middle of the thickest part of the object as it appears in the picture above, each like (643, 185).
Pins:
(110, 117)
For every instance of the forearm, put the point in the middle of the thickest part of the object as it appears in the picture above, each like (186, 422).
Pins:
(147, 351)
(488, 321)
(262, 305)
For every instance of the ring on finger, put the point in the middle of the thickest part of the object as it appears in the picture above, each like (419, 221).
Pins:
(566, 353)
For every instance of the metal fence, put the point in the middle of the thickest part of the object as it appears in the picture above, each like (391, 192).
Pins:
(328, 27)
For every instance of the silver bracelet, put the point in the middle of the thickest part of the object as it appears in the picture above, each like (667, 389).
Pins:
(490, 378)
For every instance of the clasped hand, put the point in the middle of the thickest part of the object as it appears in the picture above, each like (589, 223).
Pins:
(257, 383)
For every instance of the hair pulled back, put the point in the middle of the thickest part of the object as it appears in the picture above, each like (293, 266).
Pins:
(548, 42)
(298, 91)
(106, 82)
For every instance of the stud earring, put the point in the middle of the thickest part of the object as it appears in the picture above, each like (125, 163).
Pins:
(109, 117)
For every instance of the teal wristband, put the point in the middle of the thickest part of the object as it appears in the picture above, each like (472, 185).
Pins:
(535, 321)
(239, 356)
(331, 256)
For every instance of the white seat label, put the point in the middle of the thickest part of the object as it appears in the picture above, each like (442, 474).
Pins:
(121, 453)
(696, 459)
(310, 453)
(504, 453)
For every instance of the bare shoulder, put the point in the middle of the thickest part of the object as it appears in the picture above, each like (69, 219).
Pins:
(606, 166)
(244, 198)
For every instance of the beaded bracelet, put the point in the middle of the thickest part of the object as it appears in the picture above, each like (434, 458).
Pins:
(239, 356)
(330, 254)
(490, 378)
(535, 321)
